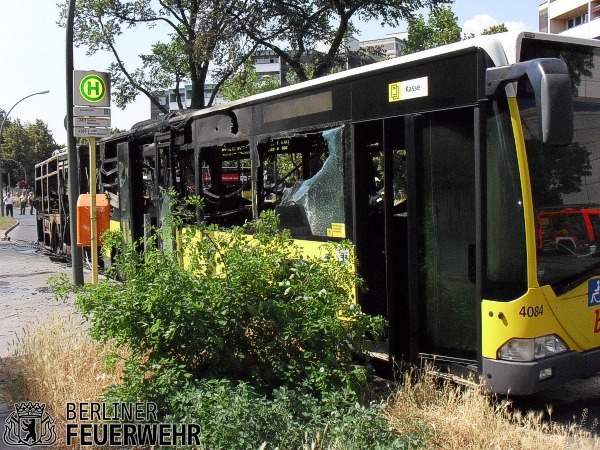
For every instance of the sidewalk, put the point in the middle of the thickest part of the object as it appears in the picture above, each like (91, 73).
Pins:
(25, 295)
(26, 229)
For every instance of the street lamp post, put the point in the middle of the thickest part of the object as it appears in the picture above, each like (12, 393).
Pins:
(1, 129)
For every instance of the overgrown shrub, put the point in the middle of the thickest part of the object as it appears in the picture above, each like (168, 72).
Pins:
(236, 416)
(246, 308)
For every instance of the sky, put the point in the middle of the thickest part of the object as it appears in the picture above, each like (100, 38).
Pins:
(32, 55)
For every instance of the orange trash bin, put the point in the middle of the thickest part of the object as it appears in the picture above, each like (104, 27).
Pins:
(84, 227)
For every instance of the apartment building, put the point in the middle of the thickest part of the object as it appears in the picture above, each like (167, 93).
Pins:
(269, 63)
(168, 97)
(575, 18)
(390, 44)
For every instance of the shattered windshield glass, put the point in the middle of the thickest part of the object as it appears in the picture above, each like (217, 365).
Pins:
(322, 195)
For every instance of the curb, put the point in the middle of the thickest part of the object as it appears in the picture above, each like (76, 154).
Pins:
(9, 230)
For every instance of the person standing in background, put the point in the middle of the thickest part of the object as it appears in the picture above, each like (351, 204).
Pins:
(23, 202)
(8, 201)
(30, 202)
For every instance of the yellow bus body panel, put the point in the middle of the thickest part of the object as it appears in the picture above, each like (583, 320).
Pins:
(309, 249)
(539, 312)
(581, 322)
(115, 225)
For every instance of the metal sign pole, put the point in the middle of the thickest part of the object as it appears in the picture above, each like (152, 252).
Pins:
(93, 212)
(91, 97)
(73, 174)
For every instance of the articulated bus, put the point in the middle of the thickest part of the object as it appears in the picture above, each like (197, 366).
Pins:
(52, 199)
(436, 167)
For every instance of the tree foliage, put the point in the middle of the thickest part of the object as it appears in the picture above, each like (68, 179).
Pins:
(247, 82)
(211, 39)
(494, 29)
(23, 146)
(203, 40)
(439, 29)
(253, 340)
(292, 29)
(244, 310)
(167, 65)
(556, 171)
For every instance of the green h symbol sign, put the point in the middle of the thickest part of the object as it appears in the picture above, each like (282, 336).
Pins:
(92, 88)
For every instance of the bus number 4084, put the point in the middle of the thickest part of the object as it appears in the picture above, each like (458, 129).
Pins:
(532, 311)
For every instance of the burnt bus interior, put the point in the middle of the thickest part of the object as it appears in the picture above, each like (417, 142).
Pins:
(284, 179)
(225, 183)
(52, 201)
(126, 177)
(300, 175)
(303, 181)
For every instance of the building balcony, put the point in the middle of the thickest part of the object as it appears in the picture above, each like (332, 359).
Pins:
(563, 9)
(268, 67)
(589, 30)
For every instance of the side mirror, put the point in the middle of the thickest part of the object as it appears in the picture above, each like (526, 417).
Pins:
(553, 92)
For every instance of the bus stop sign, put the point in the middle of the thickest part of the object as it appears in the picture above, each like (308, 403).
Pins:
(91, 88)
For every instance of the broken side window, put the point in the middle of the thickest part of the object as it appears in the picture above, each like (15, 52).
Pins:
(303, 182)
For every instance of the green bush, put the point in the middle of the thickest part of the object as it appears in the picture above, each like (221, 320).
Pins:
(271, 316)
(237, 417)
(252, 340)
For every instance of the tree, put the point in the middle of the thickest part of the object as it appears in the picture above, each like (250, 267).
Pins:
(214, 37)
(247, 82)
(167, 65)
(23, 146)
(441, 28)
(494, 29)
(204, 40)
(292, 29)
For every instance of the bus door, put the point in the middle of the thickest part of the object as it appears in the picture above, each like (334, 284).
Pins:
(416, 245)
(130, 188)
(444, 310)
(380, 230)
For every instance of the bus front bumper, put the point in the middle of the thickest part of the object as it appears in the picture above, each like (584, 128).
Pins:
(524, 378)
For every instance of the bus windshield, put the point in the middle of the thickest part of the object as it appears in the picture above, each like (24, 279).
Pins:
(565, 181)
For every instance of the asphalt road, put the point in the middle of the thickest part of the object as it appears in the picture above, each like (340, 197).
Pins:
(25, 295)
(577, 402)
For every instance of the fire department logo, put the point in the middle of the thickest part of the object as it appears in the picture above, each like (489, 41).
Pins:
(29, 425)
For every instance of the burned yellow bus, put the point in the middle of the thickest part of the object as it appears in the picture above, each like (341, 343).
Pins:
(434, 166)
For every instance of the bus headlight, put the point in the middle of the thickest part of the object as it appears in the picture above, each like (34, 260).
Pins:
(531, 349)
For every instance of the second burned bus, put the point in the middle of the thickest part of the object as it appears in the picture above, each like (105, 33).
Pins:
(434, 165)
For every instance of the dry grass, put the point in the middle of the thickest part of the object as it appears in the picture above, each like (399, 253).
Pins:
(464, 417)
(6, 223)
(60, 364)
